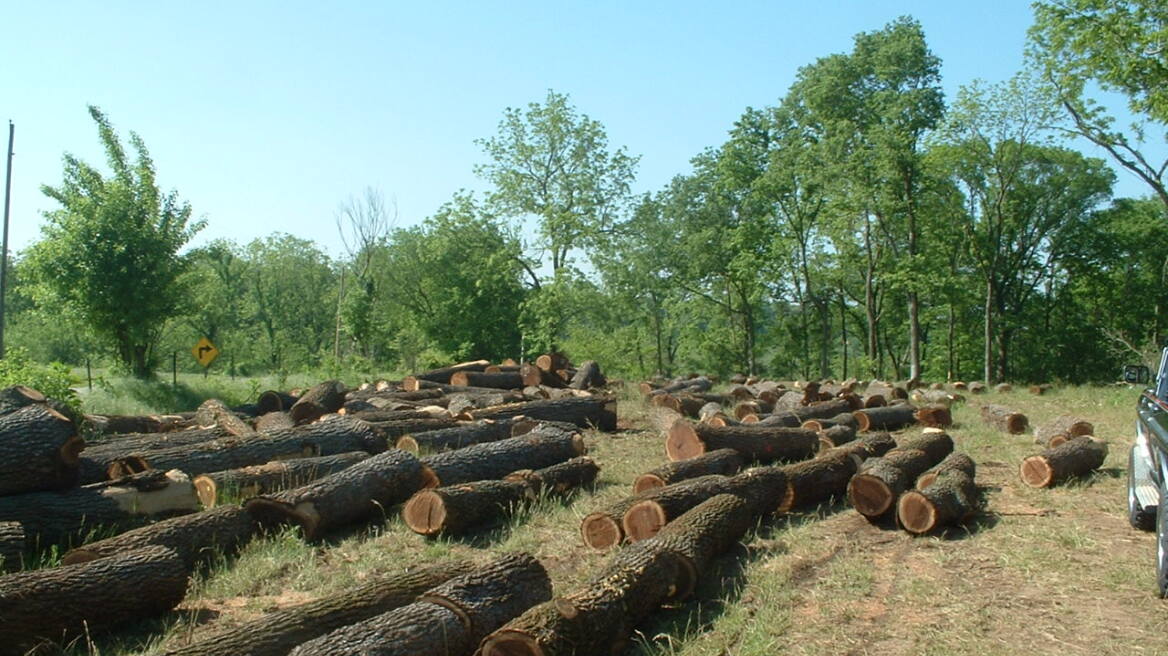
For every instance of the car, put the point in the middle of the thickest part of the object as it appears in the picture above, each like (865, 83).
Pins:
(1147, 478)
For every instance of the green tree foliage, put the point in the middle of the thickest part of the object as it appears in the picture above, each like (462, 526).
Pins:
(1121, 46)
(110, 252)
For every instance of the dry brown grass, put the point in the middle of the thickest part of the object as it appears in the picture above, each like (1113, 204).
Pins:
(1054, 571)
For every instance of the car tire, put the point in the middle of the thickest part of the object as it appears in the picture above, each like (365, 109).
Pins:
(1162, 545)
(1137, 515)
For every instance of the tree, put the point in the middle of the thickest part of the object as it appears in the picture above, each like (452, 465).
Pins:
(111, 250)
(1121, 46)
(364, 225)
(551, 162)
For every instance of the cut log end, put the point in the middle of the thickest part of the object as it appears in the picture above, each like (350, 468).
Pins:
(70, 451)
(429, 478)
(127, 466)
(787, 501)
(682, 442)
(1036, 472)
(206, 490)
(1016, 423)
(271, 512)
(407, 443)
(511, 643)
(916, 513)
(647, 482)
(644, 520)
(869, 495)
(862, 422)
(425, 513)
(600, 531)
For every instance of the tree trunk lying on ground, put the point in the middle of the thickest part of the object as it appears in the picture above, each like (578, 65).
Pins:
(588, 376)
(97, 460)
(658, 506)
(950, 498)
(1075, 457)
(598, 618)
(507, 380)
(66, 516)
(278, 632)
(39, 450)
(763, 443)
(934, 416)
(1040, 389)
(890, 418)
(56, 604)
(448, 620)
(319, 400)
(338, 434)
(273, 401)
(559, 478)
(273, 421)
(1060, 429)
(455, 437)
(213, 412)
(391, 431)
(194, 537)
(457, 509)
(837, 435)
(380, 415)
(365, 490)
(720, 461)
(1004, 419)
(19, 396)
(880, 481)
(842, 419)
(442, 374)
(120, 424)
(492, 460)
(12, 544)
(598, 411)
(954, 460)
(271, 477)
(827, 474)
(601, 529)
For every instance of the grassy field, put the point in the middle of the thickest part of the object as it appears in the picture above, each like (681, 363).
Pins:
(1054, 571)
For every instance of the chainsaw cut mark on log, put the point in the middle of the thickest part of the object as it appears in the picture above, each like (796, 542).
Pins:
(915, 513)
(644, 520)
(647, 482)
(1036, 473)
(870, 495)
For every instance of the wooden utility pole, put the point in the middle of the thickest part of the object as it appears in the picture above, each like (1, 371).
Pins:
(4, 246)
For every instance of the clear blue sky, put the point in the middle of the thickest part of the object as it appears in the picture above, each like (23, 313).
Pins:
(267, 115)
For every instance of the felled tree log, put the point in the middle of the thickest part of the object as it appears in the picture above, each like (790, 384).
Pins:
(558, 478)
(273, 401)
(588, 376)
(1003, 388)
(54, 605)
(457, 509)
(701, 533)
(950, 498)
(213, 412)
(936, 444)
(1004, 419)
(880, 481)
(63, 517)
(759, 487)
(278, 632)
(954, 460)
(273, 421)
(720, 461)
(271, 477)
(598, 618)
(119, 424)
(455, 437)
(1039, 390)
(598, 411)
(825, 476)
(380, 415)
(335, 435)
(492, 460)
(1075, 457)
(320, 399)
(763, 443)
(12, 544)
(39, 449)
(1060, 429)
(441, 375)
(892, 417)
(18, 396)
(391, 431)
(508, 380)
(657, 507)
(977, 388)
(601, 529)
(688, 406)
(364, 490)
(935, 416)
(842, 419)
(837, 435)
(534, 376)
(96, 461)
(194, 537)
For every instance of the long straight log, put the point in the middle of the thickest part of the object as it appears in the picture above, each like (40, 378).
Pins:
(934, 416)
(273, 401)
(657, 507)
(19, 396)
(720, 461)
(601, 529)
(448, 620)
(391, 431)
(338, 434)
(67, 516)
(763, 443)
(214, 412)
(507, 380)
(320, 399)
(559, 478)
(455, 437)
(1075, 457)
(277, 633)
(827, 475)
(950, 498)
(194, 537)
(598, 411)
(955, 460)
(1004, 419)
(270, 477)
(891, 417)
(701, 533)
(457, 509)
(442, 375)
(39, 450)
(1060, 429)
(362, 491)
(492, 460)
(51, 606)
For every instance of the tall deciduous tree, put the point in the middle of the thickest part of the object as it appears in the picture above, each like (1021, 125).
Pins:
(111, 250)
(1122, 46)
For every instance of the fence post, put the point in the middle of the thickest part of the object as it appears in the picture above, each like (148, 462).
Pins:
(174, 369)
(88, 375)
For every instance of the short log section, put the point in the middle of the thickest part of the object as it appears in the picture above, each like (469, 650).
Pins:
(1075, 457)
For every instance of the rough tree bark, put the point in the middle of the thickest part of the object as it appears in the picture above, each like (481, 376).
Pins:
(492, 460)
(1074, 457)
(193, 537)
(721, 461)
(271, 477)
(39, 449)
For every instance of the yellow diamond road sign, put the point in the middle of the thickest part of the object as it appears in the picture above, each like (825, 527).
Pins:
(205, 352)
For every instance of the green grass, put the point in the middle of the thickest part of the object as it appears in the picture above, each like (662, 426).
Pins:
(1052, 571)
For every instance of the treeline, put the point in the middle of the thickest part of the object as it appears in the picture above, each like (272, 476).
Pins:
(860, 226)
